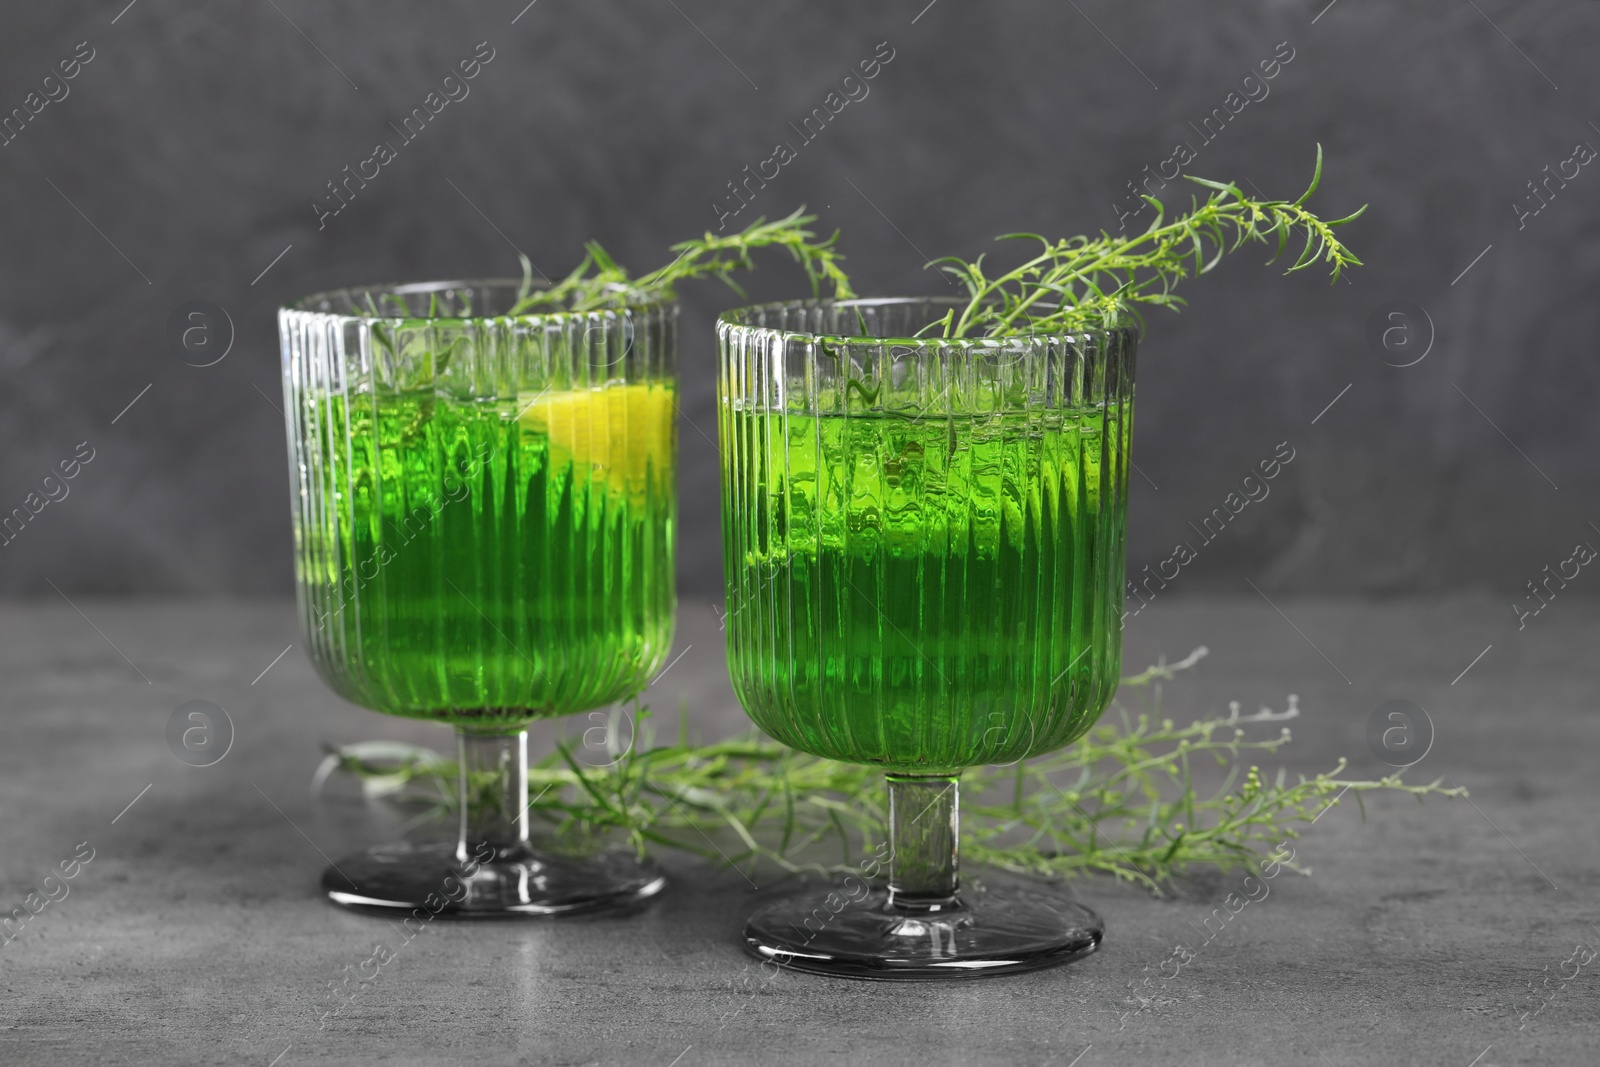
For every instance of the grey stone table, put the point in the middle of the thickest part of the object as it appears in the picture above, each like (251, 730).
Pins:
(195, 934)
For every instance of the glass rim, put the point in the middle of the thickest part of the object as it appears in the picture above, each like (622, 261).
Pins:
(736, 319)
(631, 305)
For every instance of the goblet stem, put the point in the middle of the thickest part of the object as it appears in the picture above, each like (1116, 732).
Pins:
(924, 839)
(490, 870)
(920, 927)
(494, 792)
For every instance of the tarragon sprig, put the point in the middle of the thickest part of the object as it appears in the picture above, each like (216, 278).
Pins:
(1122, 801)
(599, 281)
(1082, 283)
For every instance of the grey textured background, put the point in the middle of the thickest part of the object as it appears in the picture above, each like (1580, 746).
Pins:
(199, 135)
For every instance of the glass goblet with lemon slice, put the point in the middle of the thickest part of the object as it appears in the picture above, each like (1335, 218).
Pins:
(484, 516)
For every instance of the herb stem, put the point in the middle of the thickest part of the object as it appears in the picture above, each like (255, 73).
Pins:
(1099, 283)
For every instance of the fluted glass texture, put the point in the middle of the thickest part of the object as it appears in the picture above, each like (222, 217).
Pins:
(923, 538)
(484, 506)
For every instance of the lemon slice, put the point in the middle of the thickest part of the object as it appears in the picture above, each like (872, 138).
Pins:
(622, 435)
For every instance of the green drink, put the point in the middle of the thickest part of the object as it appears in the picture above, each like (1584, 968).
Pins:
(487, 563)
(923, 540)
(940, 586)
(484, 517)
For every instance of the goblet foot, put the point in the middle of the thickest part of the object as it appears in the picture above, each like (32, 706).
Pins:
(1006, 926)
(403, 879)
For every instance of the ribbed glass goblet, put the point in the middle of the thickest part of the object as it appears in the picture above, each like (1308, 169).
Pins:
(484, 517)
(923, 543)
